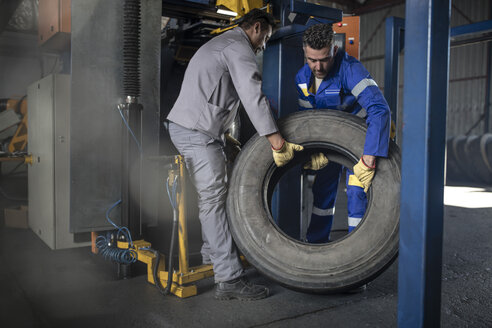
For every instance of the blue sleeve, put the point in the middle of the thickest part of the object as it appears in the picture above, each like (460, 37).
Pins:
(358, 81)
(303, 102)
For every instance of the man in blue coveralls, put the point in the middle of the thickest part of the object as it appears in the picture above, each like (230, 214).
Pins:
(331, 79)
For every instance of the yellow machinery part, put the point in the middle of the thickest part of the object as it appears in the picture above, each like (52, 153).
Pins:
(25, 159)
(241, 7)
(393, 130)
(182, 227)
(181, 280)
(19, 140)
(223, 29)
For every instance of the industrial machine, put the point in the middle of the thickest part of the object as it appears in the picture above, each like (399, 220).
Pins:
(125, 252)
(18, 141)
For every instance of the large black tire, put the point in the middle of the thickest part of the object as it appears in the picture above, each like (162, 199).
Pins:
(319, 268)
(459, 143)
(453, 171)
(486, 150)
(477, 162)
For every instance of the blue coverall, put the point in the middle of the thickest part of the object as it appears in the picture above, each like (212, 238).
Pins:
(347, 87)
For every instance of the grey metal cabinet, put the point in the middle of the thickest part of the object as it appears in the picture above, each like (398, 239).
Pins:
(49, 175)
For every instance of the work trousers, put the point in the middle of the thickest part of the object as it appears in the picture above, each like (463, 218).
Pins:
(206, 164)
(325, 194)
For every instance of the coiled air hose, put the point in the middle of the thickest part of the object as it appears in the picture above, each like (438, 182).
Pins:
(107, 245)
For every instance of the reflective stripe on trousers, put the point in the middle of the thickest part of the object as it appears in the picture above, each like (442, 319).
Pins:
(325, 192)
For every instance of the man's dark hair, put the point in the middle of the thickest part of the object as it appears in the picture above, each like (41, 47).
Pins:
(257, 15)
(318, 36)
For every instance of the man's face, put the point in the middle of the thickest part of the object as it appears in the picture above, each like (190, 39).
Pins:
(320, 61)
(259, 38)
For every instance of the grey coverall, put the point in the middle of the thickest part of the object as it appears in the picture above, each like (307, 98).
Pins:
(222, 73)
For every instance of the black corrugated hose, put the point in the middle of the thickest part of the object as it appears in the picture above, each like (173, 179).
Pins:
(174, 202)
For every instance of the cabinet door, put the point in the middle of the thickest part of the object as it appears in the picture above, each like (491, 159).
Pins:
(64, 239)
(41, 172)
(49, 19)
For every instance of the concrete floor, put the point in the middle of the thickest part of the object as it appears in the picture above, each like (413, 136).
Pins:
(74, 288)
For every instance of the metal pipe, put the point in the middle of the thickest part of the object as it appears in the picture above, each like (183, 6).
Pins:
(14, 159)
(486, 119)
(11, 159)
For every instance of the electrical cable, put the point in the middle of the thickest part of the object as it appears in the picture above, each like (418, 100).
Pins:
(109, 249)
(125, 230)
(173, 198)
(174, 203)
(130, 130)
(16, 199)
(13, 170)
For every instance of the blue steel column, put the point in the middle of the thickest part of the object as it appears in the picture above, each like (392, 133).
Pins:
(393, 45)
(424, 117)
(282, 58)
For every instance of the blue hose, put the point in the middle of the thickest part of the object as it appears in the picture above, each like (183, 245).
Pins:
(109, 249)
(130, 130)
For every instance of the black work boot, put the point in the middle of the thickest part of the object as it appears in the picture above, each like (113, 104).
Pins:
(240, 289)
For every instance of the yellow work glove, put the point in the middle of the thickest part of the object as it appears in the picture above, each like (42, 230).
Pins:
(364, 173)
(283, 155)
(317, 162)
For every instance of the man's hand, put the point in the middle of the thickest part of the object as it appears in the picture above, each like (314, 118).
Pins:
(364, 170)
(317, 162)
(285, 153)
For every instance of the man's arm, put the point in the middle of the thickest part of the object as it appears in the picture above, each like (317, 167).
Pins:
(368, 95)
(241, 64)
(370, 160)
(302, 92)
(276, 140)
(244, 72)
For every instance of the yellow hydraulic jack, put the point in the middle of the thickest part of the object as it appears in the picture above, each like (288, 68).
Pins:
(183, 278)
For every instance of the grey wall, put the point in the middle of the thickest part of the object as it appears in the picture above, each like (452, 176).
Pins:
(21, 63)
(467, 70)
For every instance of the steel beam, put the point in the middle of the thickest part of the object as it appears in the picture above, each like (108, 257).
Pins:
(395, 28)
(486, 117)
(282, 58)
(470, 29)
(424, 116)
(376, 5)
(331, 14)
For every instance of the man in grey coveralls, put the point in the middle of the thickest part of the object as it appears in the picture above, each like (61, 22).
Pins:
(221, 74)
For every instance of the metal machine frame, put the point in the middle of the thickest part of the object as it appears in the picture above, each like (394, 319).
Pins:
(425, 105)
(394, 44)
(184, 277)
